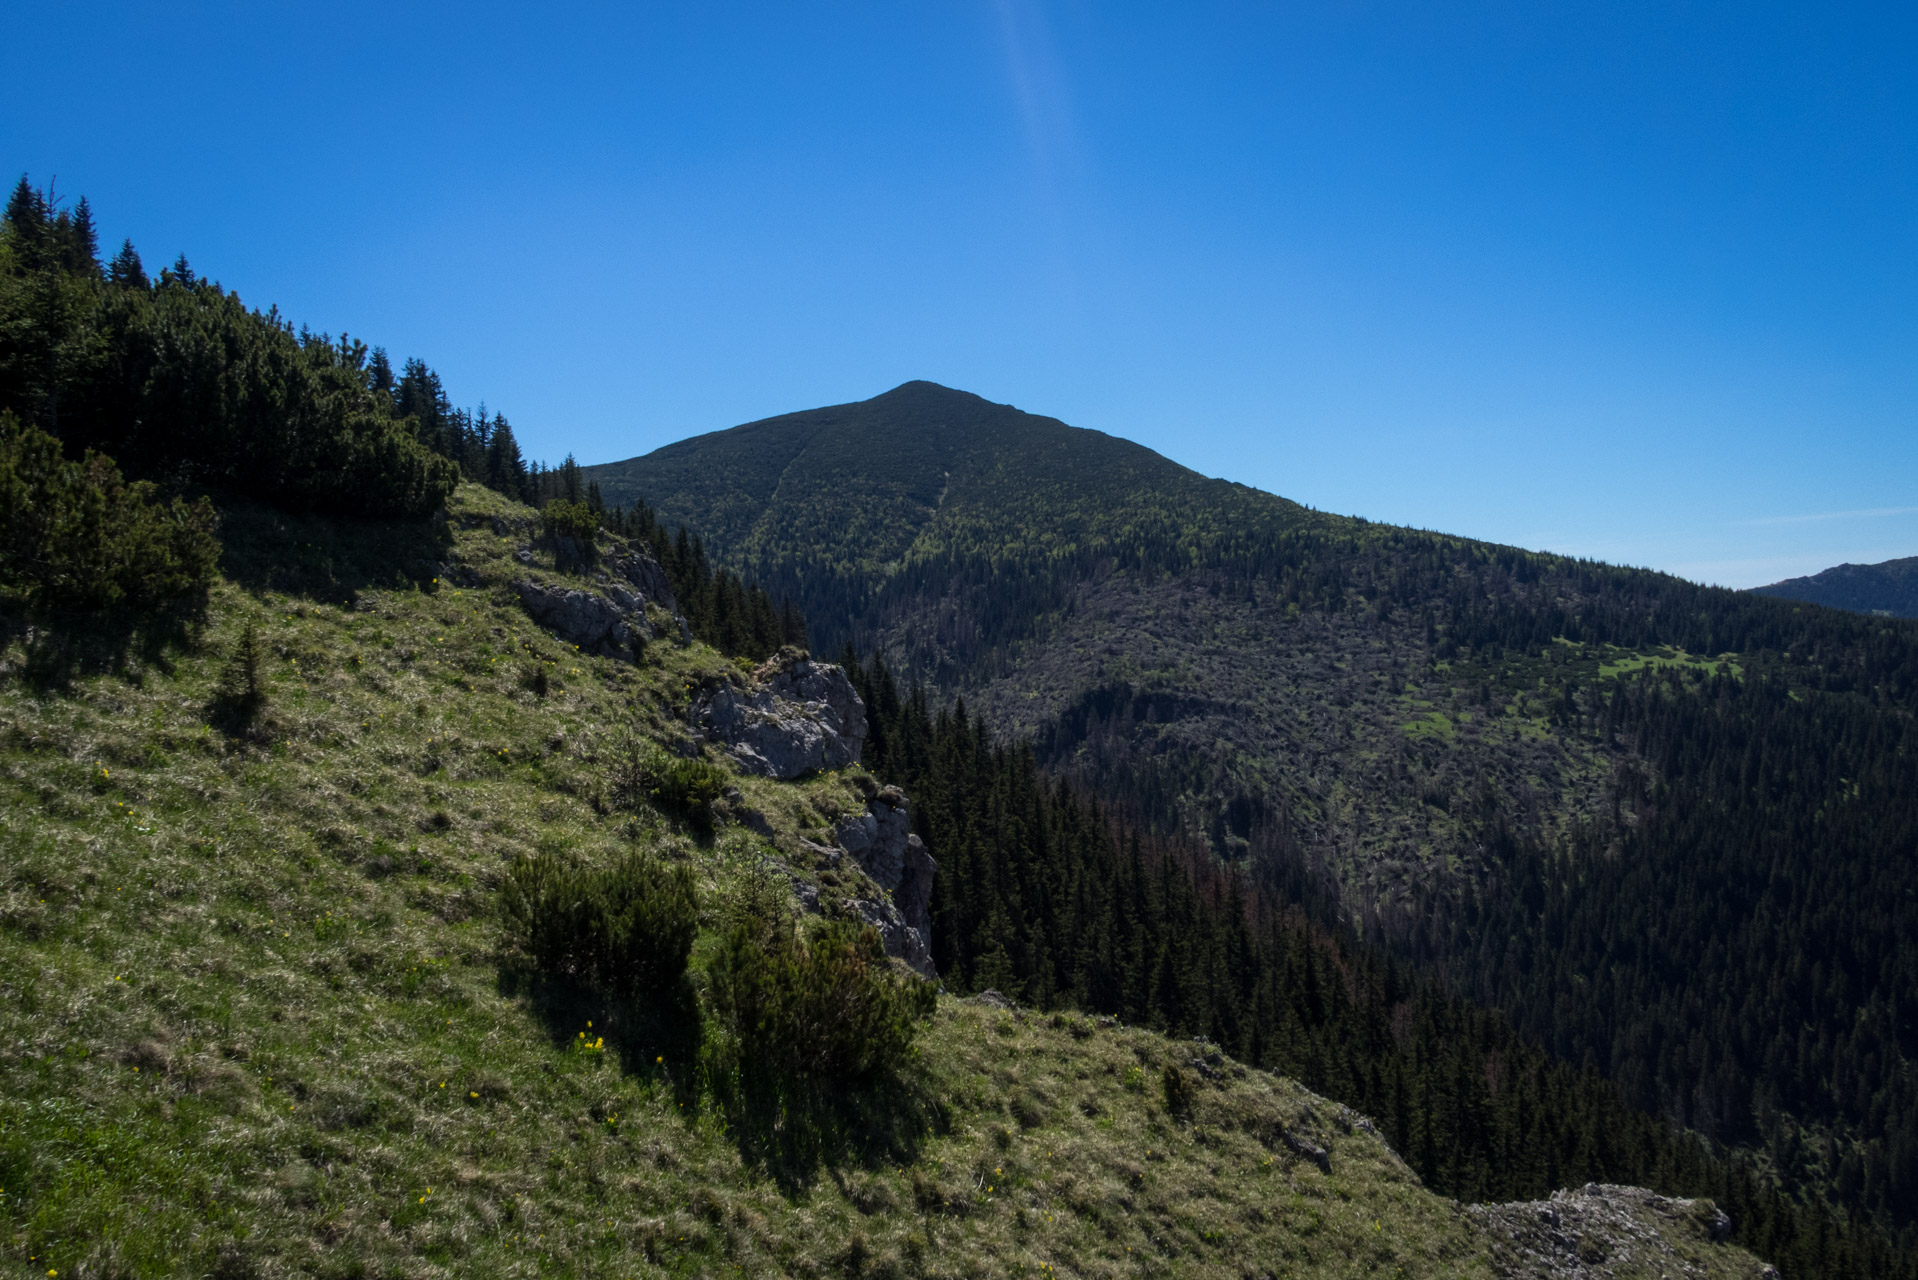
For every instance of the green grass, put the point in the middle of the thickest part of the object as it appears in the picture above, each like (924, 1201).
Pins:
(257, 1018)
(1433, 724)
(1627, 663)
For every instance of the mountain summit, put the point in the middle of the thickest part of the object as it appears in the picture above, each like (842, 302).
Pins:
(869, 489)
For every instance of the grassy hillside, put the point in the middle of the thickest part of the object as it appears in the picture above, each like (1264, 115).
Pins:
(257, 1016)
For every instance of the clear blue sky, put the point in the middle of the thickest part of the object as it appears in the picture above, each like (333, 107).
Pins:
(1629, 281)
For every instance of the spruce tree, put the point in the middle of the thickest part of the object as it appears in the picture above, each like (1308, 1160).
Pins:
(83, 241)
(126, 269)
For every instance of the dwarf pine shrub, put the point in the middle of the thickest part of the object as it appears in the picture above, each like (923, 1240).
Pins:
(573, 529)
(75, 535)
(828, 1005)
(643, 774)
(628, 927)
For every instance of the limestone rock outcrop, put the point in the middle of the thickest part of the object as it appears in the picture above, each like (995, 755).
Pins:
(1601, 1230)
(796, 716)
(612, 626)
(648, 578)
(612, 621)
(880, 840)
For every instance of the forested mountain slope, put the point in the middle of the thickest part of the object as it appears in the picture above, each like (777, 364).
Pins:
(1671, 829)
(1889, 588)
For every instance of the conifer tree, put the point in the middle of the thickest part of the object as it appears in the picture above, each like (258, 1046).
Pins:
(126, 269)
(83, 241)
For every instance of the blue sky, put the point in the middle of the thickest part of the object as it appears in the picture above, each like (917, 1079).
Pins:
(1633, 281)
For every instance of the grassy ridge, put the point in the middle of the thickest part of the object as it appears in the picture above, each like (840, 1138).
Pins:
(256, 1017)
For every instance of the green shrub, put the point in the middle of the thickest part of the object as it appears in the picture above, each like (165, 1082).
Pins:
(644, 774)
(628, 927)
(76, 535)
(572, 527)
(829, 1006)
(1178, 1091)
(240, 701)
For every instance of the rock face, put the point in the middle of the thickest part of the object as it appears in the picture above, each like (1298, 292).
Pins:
(611, 627)
(797, 716)
(647, 577)
(880, 840)
(1601, 1230)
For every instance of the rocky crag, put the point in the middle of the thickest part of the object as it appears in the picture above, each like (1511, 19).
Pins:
(794, 716)
(612, 621)
(1605, 1232)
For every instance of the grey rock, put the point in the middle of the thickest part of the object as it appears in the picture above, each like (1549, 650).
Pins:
(808, 895)
(1307, 1149)
(1597, 1231)
(594, 623)
(900, 940)
(1348, 1120)
(823, 855)
(796, 717)
(647, 577)
(881, 841)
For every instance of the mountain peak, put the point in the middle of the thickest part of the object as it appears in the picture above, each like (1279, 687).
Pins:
(921, 389)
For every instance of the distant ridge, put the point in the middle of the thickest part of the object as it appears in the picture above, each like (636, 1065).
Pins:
(1888, 589)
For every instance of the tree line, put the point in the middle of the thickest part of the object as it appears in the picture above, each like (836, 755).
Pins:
(171, 378)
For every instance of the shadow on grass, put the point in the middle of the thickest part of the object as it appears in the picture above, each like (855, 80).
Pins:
(60, 647)
(793, 1129)
(656, 1038)
(330, 559)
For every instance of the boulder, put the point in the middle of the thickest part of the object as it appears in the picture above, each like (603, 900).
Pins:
(796, 717)
(593, 622)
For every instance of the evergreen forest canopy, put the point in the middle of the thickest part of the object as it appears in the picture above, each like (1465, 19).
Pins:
(1668, 829)
(1044, 894)
(176, 380)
